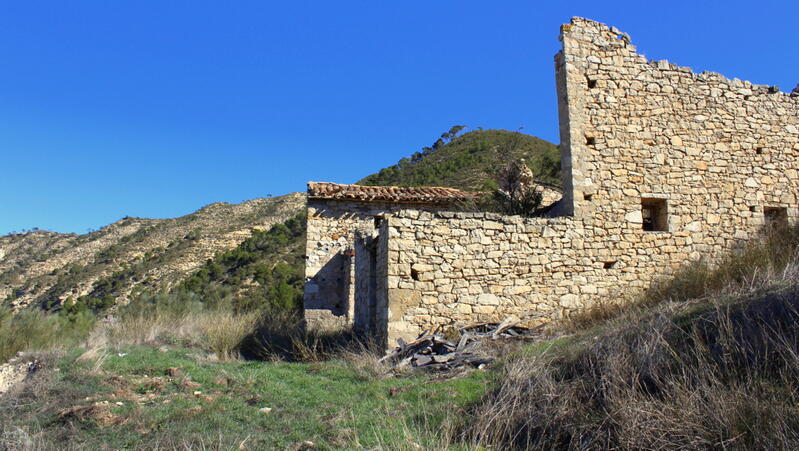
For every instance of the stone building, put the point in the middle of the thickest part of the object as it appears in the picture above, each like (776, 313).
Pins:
(660, 165)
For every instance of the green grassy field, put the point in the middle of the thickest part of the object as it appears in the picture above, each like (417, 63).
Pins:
(178, 398)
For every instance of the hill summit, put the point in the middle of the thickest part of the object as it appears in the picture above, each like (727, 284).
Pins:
(471, 161)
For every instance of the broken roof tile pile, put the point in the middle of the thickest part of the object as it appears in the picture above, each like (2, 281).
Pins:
(425, 194)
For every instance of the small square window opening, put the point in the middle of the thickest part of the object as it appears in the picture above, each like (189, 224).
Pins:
(775, 215)
(654, 213)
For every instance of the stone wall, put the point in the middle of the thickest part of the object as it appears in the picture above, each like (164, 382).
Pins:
(458, 268)
(661, 166)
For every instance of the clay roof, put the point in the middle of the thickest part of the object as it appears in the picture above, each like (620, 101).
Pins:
(424, 194)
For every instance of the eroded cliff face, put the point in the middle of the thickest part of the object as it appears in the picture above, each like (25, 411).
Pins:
(131, 254)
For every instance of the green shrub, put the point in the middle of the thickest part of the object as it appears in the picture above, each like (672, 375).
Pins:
(36, 330)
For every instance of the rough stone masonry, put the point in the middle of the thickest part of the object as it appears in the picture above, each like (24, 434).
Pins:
(661, 166)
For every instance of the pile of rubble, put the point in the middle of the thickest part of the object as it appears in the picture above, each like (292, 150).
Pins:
(433, 351)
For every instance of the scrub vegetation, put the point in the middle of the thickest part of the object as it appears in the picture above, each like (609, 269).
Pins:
(471, 161)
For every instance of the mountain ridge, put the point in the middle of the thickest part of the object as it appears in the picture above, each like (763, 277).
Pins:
(49, 267)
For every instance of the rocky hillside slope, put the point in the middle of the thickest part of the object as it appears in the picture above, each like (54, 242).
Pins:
(132, 254)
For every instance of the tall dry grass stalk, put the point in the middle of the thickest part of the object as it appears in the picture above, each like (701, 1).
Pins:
(217, 330)
(727, 379)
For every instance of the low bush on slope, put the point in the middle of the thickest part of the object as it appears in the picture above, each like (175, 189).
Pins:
(35, 329)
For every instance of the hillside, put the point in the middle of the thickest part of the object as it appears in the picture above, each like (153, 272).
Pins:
(138, 255)
(265, 271)
(130, 255)
(470, 161)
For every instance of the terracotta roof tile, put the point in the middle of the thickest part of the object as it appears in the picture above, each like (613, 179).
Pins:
(424, 194)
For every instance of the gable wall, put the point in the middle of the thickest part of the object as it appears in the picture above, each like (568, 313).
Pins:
(330, 266)
(659, 130)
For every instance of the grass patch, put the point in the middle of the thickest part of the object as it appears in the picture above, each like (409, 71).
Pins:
(168, 320)
(176, 399)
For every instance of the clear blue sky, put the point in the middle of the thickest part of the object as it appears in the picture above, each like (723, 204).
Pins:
(156, 108)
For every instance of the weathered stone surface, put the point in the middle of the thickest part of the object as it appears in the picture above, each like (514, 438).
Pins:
(634, 217)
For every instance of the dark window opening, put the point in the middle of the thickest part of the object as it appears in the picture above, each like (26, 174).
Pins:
(775, 215)
(588, 197)
(609, 265)
(591, 83)
(759, 150)
(590, 140)
(654, 213)
(414, 274)
(377, 222)
(753, 208)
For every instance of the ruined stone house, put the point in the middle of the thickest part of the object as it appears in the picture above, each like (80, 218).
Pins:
(661, 166)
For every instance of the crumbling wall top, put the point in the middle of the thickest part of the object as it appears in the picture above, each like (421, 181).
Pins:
(422, 194)
(602, 35)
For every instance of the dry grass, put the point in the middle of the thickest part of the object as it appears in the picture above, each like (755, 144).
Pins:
(218, 330)
(708, 359)
(282, 336)
(261, 334)
(727, 378)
